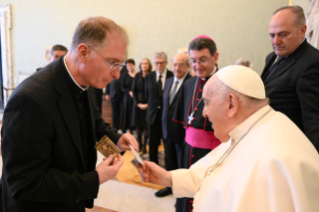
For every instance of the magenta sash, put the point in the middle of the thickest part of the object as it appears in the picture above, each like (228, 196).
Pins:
(201, 139)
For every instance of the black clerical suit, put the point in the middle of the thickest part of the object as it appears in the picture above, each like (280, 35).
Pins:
(114, 90)
(173, 132)
(154, 111)
(50, 127)
(293, 88)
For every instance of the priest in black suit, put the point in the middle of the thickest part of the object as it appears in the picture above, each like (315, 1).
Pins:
(173, 133)
(51, 124)
(154, 85)
(199, 134)
(291, 74)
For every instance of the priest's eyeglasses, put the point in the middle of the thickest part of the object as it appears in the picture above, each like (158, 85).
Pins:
(201, 61)
(113, 65)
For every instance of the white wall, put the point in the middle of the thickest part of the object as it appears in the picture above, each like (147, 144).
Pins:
(240, 28)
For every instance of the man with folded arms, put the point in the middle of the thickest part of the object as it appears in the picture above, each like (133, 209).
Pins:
(265, 162)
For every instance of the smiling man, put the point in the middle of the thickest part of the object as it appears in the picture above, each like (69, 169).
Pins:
(265, 163)
(51, 125)
(291, 73)
(199, 135)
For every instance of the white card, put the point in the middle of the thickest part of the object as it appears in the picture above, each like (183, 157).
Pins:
(137, 156)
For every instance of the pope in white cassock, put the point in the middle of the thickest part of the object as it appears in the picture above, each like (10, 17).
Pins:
(265, 163)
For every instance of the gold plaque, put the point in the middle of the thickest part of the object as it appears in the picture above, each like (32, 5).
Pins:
(107, 147)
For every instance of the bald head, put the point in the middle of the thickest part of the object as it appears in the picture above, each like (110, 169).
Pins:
(180, 65)
(228, 102)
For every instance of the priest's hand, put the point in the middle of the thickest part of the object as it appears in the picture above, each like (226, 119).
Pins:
(109, 167)
(153, 173)
(125, 140)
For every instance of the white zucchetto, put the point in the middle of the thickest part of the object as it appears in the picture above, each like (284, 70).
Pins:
(243, 80)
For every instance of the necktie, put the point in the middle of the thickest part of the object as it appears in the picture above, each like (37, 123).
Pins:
(274, 66)
(173, 92)
(160, 85)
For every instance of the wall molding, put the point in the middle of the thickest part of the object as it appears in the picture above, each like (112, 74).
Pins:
(7, 69)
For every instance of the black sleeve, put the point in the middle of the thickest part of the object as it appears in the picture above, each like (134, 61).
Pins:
(134, 88)
(107, 89)
(124, 87)
(308, 93)
(179, 109)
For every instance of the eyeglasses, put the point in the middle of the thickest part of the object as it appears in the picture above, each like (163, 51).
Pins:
(159, 63)
(200, 61)
(113, 64)
(180, 65)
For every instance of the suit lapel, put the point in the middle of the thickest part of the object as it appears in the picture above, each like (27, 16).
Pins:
(67, 107)
(287, 63)
(268, 64)
(168, 89)
(177, 94)
(283, 66)
(155, 82)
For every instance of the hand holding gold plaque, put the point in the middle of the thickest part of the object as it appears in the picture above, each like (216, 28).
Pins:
(106, 147)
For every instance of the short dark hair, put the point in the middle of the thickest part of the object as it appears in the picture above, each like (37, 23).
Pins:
(203, 43)
(130, 61)
(299, 15)
(59, 48)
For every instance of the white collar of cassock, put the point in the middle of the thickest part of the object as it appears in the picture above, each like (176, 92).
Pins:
(242, 128)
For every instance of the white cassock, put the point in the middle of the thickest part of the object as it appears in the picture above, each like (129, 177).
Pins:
(273, 168)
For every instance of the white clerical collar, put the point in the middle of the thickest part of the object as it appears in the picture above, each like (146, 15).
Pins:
(213, 72)
(242, 128)
(83, 89)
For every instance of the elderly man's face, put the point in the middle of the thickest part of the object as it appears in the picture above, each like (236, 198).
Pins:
(160, 64)
(215, 109)
(180, 66)
(96, 71)
(203, 63)
(57, 54)
(285, 37)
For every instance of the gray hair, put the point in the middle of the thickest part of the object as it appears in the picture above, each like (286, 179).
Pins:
(223, 90)
(299, 15)
(160, 55)
(243, 62)
(93, 30)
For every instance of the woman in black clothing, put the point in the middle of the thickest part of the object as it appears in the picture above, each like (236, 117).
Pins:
(140, 103)
(126, 87)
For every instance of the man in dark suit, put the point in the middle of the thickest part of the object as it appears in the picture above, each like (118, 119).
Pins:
(291, 74)
(51, 125)
(114, 93)
(154, 85)
(173, 132)
(56, 52)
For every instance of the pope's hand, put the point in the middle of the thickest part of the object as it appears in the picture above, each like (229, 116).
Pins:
(125, 140)
(109, 167)
(153, 173)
